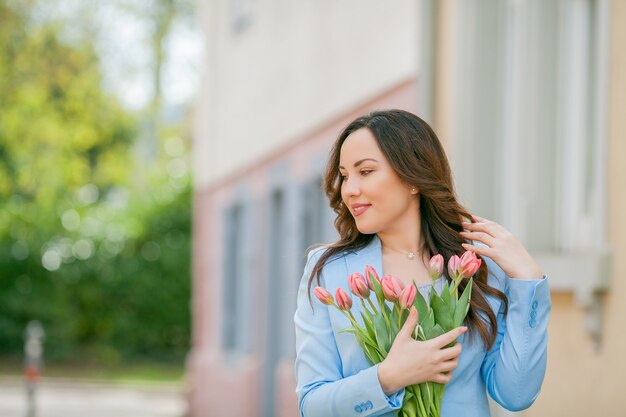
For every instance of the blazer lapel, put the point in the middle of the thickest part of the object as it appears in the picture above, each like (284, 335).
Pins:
(369, 255)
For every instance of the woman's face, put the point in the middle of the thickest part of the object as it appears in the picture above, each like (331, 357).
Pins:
(378, 200)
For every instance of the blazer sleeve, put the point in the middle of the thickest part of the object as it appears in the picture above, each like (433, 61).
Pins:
(514, 367)
(322, 389)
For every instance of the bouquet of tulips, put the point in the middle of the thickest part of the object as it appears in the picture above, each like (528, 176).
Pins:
(381, 320)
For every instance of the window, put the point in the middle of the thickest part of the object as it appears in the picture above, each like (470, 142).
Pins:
(235, 305)
(277, 299)
(528, 128)
(313, 215)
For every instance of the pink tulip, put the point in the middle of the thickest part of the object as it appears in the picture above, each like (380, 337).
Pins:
(358, 285)
(392, 288)
(466, 257)
(323, 295)
(435, 266)
(407, 297)
(453, 266)
(344, 302)
(370, 274)
(470, 267)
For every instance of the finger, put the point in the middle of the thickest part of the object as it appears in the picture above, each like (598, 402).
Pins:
(409, 325)
(481, 227)
(483, 237)
(442, 378)
(449, 337)
(495, 229)
(448, 366)
(480, 250)
(450, 353)
(479, 219)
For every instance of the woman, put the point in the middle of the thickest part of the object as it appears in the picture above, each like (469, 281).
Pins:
(390, 184)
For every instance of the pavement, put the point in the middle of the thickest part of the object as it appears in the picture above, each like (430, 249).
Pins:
(59, 397)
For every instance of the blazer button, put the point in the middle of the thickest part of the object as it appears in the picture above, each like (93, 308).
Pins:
(533, 314)
(358, 408)
(535, 304)
(369, 405)
(532, 323)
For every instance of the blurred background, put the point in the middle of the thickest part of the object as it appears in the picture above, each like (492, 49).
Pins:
(132, 131)
(96, 108)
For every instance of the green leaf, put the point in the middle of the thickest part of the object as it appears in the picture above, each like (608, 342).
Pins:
(443, 315)
(462, 307)
(430, 323)
(382, 334)
(445, 293)
(436, 331)
(378, 290)
(369, 326)
(409, 408)
(421, 306)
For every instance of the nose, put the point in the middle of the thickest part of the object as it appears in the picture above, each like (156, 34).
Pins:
(351, 187)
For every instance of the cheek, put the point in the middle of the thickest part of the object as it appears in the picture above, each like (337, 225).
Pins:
(343, 194)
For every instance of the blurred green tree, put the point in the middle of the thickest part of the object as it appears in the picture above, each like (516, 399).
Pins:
(102, 260)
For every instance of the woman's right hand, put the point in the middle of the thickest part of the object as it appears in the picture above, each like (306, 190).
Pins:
(410, 361)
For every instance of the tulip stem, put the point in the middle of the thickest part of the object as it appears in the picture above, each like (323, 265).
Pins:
(457, 281)
(364, 307)
(372, 305)
(420, 401)
(381, 304)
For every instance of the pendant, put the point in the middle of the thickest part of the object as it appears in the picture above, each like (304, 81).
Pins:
(411, 255)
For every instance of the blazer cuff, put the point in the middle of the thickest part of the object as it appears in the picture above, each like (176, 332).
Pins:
(525, 291)
(530, 302)
(371, 399)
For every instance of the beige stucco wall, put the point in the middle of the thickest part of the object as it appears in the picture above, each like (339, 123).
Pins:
(294, 68)
(581, 381)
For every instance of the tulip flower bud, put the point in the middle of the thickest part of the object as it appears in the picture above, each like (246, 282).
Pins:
(323, 295)
(407, 297)
(344, 302)
(392, 288)
(435, 266)
(453, 266)
(466, 257)
(370, 274)
(358, 286)
(470, 268)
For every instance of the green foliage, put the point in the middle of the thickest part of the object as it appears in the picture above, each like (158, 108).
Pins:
(93, 245)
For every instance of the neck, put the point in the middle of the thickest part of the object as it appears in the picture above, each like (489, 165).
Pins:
(405, 239)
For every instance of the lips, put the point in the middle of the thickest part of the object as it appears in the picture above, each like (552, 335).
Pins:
(358, 209)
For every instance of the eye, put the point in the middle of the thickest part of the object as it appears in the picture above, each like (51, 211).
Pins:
(342, 177)
(366, 171)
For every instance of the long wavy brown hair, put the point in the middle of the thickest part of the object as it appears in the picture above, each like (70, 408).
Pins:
(418, 158)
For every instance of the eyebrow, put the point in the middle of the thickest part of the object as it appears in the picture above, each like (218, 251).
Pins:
(357, 163)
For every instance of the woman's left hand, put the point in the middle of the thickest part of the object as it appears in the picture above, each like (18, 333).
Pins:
(502, 247)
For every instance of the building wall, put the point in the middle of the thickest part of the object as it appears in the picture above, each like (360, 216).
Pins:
(585, 375)
(282, 79)
(288, 68)
(582, 379)
(233, 382)
(279, 89)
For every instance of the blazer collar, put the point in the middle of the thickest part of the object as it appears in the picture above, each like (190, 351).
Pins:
(369, 255)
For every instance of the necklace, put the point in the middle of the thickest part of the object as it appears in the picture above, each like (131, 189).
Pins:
(409, 254)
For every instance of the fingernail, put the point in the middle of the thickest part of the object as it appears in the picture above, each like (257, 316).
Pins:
(463, 329)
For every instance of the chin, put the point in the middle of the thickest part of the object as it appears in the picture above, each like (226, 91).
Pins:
(367, 229)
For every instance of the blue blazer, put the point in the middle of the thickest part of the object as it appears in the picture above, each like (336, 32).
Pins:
(333, 377)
